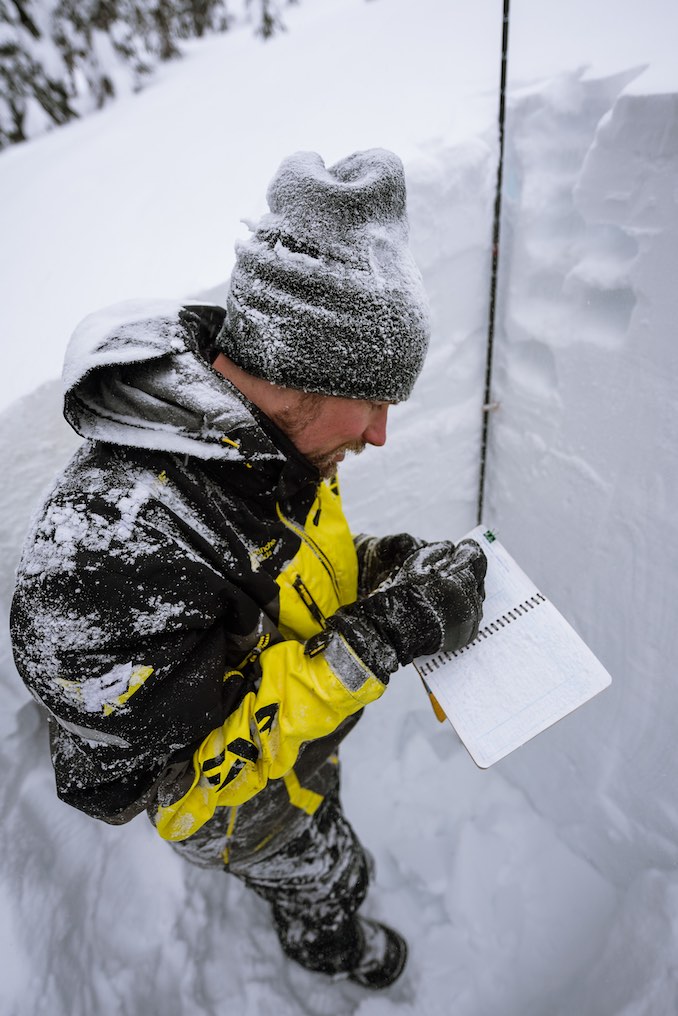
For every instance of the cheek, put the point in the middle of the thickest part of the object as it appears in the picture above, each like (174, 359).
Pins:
(333, 433)
(336, 427)
(354, 424)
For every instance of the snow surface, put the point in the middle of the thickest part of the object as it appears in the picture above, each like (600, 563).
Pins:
(547, 884)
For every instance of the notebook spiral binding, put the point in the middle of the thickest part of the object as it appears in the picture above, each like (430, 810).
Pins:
(490, 629)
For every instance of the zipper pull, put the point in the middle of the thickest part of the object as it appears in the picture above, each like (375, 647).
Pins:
(316, 517)
(319, 643)
(306, 598)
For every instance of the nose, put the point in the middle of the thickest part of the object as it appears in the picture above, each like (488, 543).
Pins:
(375, 432)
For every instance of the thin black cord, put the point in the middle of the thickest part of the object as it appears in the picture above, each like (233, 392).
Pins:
(496, 226)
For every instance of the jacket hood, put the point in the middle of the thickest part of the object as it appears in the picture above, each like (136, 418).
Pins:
(138, 374)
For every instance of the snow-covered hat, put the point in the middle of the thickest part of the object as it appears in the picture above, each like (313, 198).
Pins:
(325, 295)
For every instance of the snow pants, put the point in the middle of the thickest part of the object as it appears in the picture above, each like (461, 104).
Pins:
(294, 847)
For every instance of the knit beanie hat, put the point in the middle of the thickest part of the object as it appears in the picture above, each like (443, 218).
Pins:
(325, 295)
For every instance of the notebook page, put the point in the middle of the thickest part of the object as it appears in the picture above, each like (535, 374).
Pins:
(527, 668)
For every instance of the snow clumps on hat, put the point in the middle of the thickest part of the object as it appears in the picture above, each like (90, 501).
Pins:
(325, 295)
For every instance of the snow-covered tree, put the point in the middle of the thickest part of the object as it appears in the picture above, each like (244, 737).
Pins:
(62, 58)
(33, 88)
(267, 18)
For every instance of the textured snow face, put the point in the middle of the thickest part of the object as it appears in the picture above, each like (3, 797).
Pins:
(584, 444)
(582, 488)
(583, 483)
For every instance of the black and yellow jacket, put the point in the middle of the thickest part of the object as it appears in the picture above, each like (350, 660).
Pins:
(170, 584)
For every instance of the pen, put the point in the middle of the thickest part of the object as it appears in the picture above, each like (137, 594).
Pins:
(437, 708)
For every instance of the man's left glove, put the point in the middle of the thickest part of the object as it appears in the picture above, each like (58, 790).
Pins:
(433, 602)
(380, 557)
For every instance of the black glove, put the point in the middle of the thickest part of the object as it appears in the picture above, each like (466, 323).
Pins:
(434, 602)
(380, 557)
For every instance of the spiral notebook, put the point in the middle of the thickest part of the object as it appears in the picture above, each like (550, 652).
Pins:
(526, 669)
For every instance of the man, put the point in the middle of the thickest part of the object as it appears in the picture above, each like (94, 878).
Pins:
(191, 607)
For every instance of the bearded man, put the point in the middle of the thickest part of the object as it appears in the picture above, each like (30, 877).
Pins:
(192, 609)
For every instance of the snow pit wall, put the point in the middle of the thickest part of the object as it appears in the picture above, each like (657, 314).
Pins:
(582, 479)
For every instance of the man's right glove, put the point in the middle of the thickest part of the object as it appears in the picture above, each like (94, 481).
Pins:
(433, 602)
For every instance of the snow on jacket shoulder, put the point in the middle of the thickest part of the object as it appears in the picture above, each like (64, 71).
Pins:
(172, 579)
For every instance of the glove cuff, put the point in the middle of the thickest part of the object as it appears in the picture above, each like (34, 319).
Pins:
(390, 628)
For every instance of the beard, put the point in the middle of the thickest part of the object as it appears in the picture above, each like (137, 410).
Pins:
(326, 463)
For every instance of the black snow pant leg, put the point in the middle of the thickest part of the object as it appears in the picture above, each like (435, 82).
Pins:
(315, 885)
(306, 861)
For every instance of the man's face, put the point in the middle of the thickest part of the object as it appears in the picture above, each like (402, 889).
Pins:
(325, 427)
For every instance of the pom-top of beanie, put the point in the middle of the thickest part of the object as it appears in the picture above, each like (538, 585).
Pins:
(325, 295)
(330, 204)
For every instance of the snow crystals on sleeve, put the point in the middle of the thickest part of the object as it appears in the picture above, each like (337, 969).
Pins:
(70, 525)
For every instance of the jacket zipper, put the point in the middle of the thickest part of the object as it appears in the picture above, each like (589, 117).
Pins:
(319, 553)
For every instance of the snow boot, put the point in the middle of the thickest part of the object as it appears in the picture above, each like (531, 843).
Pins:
(383, 955)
